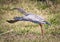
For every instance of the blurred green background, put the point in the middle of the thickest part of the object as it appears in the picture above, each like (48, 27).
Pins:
(28, 31)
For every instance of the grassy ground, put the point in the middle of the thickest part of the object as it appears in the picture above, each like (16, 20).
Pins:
(27, 31)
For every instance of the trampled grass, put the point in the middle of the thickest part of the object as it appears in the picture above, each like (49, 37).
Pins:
(28, 31)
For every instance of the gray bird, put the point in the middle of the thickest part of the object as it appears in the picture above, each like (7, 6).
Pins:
(29, 17)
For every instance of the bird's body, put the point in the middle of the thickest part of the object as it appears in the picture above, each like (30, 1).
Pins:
(32, 18)
(29, 17)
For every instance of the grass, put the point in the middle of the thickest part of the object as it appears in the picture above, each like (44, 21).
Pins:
(28, 31)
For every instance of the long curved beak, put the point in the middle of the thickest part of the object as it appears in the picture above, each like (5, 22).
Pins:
(47, 23)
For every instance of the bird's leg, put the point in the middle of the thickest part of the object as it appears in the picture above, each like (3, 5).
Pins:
(41, 29)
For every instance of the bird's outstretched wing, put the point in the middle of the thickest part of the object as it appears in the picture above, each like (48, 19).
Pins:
(11, 21)
(15, 19)
(20, 10)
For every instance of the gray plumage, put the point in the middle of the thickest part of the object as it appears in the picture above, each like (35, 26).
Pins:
(28, 17)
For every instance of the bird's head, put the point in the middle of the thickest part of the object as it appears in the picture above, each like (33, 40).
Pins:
(47, 23)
